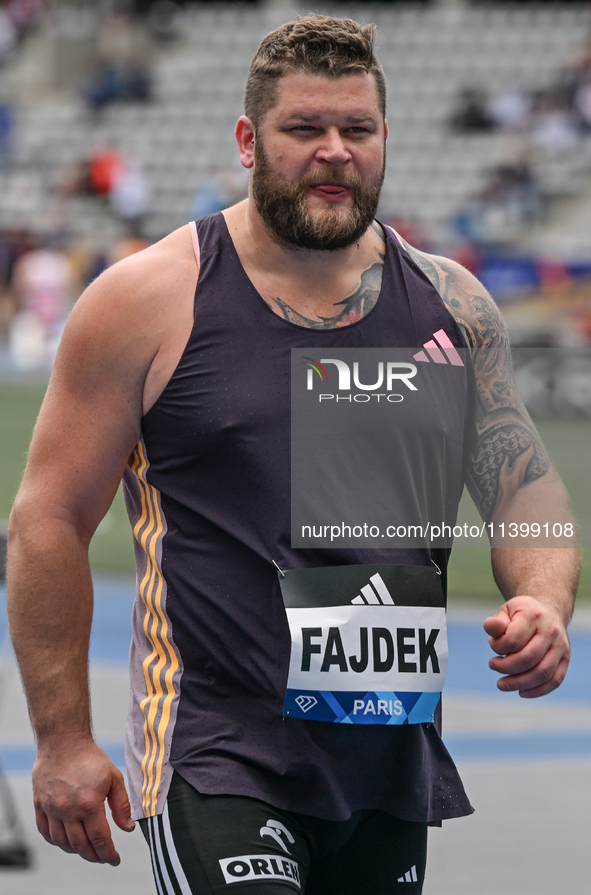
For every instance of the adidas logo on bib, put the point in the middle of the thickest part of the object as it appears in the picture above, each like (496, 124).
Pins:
(378, 594)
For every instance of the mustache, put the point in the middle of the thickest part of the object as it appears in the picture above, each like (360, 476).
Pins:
(342, 178)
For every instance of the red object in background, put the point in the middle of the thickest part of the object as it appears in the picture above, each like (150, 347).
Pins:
(467, 255)
(552, 273)
(411, 231)
(105, 170)
(585, 324)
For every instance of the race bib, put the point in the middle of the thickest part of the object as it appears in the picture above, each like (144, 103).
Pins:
(368, 643)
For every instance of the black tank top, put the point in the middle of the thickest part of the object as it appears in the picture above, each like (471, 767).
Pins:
(208, 493)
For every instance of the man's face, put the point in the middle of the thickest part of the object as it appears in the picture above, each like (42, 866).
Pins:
(319, 160)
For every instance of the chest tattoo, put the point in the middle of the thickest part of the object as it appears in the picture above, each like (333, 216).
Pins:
(351, 309)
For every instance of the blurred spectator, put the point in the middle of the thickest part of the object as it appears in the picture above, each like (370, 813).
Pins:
(13, 245)
(43, 280)
(118, 177)
(582, 103)
(578, 69)
(104, 170)
(6, 133)
(7, 258)
(24, 14)
(120, 39)
(548, 122)
(130, 192)
(509, 201)
(8, 35)
(43, 284)
(553, 119)
(122, 70)
(513, 184)
(511, 108)
(112, 82)
(164, 20)
(74, 179)
(211, 196)
(127, 246)
(221, 189)
(554, 127)
(471, 113)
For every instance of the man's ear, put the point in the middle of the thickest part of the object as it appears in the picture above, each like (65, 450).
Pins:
(245, 136)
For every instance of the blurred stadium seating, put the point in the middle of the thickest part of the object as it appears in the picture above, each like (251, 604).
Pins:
(186, 132)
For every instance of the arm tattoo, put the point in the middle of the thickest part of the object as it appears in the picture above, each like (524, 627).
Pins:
(504, 459)
(507, 453)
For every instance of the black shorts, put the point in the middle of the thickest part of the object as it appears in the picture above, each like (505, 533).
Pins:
(203, 845)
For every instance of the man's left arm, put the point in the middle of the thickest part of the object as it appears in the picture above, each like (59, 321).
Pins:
(517, 491)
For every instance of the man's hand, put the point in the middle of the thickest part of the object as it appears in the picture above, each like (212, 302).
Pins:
(70, 785)
(532, 644)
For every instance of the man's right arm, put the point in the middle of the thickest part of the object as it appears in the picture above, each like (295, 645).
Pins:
(115, 350)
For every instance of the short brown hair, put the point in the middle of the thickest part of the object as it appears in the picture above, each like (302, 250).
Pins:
(313, 44)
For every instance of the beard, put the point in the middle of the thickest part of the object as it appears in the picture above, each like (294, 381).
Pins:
(284, 206)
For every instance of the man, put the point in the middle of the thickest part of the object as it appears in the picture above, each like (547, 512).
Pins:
(185, 387)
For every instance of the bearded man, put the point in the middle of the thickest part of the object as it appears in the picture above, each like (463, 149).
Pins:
(288, 651)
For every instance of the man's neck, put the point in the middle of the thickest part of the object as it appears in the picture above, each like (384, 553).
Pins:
(314, 289)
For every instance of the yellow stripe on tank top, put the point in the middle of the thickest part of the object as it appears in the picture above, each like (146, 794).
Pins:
(156, 629)
(138, 466)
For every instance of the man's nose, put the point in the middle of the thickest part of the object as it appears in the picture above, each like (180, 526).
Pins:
(332, 148)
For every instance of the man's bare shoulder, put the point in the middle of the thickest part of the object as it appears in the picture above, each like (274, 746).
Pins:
(156, 271)
(133, 321)
(143, 296)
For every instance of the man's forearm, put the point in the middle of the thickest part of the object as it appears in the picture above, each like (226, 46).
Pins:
(544, 567)
(551, 575)
(50, 612)
(49, 601)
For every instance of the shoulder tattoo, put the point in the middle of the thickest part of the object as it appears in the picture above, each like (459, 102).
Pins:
(507, 453)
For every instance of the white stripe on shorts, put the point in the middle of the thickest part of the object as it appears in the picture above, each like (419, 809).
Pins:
(172, 854)
(169, 881)
(155, 867)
